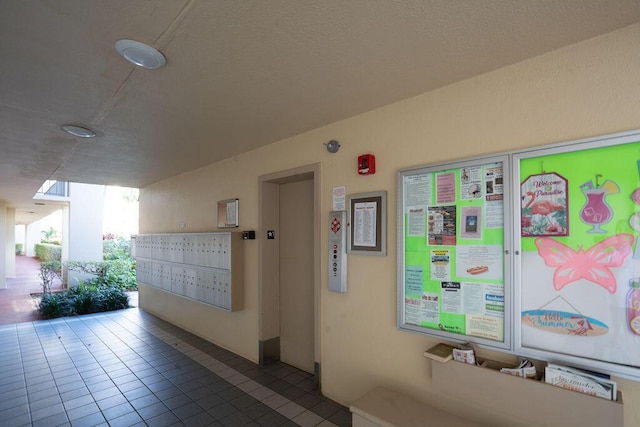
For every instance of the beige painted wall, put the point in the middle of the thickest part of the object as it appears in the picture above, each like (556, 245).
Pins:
(587, 89)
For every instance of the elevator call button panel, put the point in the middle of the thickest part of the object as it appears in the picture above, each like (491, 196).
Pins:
(337, 258)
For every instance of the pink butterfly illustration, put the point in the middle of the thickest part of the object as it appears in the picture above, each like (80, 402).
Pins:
(592, 264)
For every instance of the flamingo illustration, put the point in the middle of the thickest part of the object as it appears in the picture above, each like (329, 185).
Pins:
(542, 207)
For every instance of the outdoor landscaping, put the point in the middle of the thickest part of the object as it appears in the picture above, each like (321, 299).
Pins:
(105, 288)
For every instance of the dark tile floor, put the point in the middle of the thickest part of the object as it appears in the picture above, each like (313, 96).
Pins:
(129, 368)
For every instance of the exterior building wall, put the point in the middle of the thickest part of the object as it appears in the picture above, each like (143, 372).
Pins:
(34, 231)
(78, 223)
(10, 243)
(86, 210)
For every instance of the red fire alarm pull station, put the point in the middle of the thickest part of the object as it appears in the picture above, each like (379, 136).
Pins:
(367, 164)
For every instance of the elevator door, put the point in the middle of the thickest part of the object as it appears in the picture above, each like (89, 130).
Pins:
(296, 275)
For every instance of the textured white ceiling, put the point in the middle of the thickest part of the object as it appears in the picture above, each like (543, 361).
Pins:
(240, 74)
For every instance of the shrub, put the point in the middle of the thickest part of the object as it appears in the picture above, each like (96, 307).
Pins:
(115, 273)
(121, 267)
(97, 268)
(114, 299)
(49, 271)
(54, 305)
(48, 252)
(121, 273)
(82, 299)
(116, 248)
(18, 248)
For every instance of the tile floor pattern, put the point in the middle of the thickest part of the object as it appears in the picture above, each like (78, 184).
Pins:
(129, 368)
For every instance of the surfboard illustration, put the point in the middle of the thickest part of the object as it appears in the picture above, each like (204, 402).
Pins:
(564, 323)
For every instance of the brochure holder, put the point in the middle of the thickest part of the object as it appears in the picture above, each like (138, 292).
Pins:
(528, 401)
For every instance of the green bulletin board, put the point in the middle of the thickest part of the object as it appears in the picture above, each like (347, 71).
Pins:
(534, 252)
(452, 244)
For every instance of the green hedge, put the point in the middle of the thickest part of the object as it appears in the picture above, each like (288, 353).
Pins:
(114, 273)
(48, 252)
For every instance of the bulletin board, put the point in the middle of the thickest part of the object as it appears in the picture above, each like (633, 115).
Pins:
(453, 233)
(578, 290)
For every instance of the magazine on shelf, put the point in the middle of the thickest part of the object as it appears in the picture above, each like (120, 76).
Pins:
(582, 381)
(441, 352)
(597, 376)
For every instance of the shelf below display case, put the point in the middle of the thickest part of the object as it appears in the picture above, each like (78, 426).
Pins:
(530, 401)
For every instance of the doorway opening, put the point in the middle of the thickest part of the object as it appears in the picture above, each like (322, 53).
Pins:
(289, 270)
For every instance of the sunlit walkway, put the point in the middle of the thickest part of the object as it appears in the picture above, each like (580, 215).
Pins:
(16, 304)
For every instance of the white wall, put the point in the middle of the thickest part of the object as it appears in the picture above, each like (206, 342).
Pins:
(34, 231)
(10, 243)
(21, 231)
(86, 209)
(588, 89)
(85, 221)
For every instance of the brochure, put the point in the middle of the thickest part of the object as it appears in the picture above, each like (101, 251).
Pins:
(578, 380)
(464, 353)
(524, 369)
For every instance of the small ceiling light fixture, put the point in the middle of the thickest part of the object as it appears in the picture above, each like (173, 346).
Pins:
(140, 54)
(79, 131)
(332, 146)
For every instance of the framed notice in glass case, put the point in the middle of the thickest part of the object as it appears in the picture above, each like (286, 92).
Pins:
(228, 213)
(368, 223)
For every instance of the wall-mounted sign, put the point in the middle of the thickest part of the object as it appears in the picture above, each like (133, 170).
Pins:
(228, 213)
(368, 223)
(544, 210)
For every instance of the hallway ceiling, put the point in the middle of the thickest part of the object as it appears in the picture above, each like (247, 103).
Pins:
(239, 74)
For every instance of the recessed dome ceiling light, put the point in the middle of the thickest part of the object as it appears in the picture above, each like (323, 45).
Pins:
(79, 131)
(140, 54)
